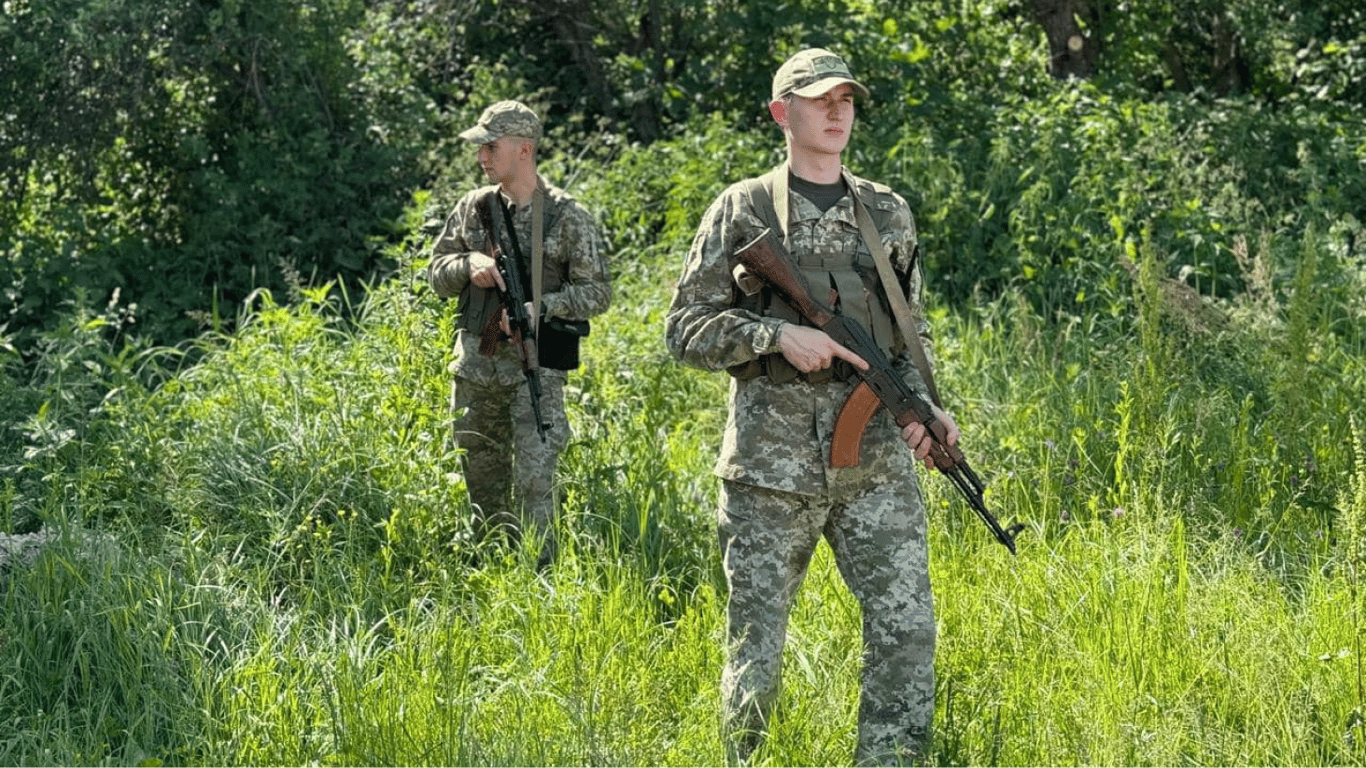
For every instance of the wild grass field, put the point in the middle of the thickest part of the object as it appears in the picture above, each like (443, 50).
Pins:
(260, 553)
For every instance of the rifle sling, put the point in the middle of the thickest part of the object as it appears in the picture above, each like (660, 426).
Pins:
(537, 245)
(537, 250)
(900, 307)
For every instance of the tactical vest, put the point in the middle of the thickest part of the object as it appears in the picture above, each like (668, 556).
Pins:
(844, 279)
(557, 343)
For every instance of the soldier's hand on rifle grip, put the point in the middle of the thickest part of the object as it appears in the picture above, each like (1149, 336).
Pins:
(505, 323)
(484, 272)
(811, 349)
(919, 439)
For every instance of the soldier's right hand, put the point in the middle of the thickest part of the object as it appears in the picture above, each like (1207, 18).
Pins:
(484, 272)
(811, 349)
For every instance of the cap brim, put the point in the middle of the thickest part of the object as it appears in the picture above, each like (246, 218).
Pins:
(822, 86)
(479, 135)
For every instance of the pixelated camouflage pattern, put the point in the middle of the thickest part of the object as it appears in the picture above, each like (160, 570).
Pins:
(780, 495)
(874, 522)
(511, 491)
(771, 437)
(509, 472)
(505, 118)
(573, 255)
(811, 73)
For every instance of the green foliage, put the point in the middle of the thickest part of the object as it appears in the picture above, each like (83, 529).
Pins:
(1149, 320)
(190, 154)
(310, 440)
(60, 402)
(1048, 199)
(1157, 651)
(1134, 602)
(215, 150)
(470, 676)
(73, 78)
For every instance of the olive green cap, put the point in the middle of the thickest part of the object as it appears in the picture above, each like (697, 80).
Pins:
(811, 73)
(506, 118)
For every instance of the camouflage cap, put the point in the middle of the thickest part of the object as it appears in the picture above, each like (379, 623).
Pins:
(811, 73)
(506, 118)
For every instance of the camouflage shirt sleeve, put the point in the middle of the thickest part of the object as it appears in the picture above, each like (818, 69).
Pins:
(702, 328)
(462, 235)
(587, 290)
(573, 242)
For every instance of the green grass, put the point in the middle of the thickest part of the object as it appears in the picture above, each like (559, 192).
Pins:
(284, 580)
(308, 606)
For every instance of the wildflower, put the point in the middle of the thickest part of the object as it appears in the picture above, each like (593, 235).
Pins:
(1117, 512)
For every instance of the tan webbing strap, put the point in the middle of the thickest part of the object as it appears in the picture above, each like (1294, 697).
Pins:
(780, 199)
(900, 307)
(537, 249)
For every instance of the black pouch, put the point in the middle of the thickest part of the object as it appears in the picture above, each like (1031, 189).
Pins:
(557, 342)
(578, 328)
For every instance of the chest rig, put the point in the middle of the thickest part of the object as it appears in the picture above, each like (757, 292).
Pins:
(558, 347)
(837, 267)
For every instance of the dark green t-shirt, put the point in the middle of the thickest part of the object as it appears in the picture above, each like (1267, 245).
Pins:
(823, 196)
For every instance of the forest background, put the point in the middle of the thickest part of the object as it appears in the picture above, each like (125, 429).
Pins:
(224, 388)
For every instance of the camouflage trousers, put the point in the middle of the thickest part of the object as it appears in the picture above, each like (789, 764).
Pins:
(877, 533)
(509, 471)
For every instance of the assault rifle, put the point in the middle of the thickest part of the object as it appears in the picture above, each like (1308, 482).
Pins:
(767, 259)
(514, 301)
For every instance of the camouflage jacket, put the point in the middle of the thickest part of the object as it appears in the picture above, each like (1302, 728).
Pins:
(777, 434)
(578, 285)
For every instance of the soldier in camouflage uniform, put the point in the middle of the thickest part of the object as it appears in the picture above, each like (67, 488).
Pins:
(509, 470)
(780, 495)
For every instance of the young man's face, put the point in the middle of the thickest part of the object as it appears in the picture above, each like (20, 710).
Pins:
(821, 125)
(498, 158)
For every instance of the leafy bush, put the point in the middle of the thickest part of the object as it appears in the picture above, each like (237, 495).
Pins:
(210, 151)
(1044, 195)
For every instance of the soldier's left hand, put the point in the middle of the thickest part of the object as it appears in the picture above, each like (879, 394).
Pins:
(506, 324)
(919, 439)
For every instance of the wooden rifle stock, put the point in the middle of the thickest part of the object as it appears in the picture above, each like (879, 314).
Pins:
(766, 258)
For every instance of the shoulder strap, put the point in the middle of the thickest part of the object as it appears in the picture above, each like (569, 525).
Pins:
(537, 249)
(488, 220)
(900, 307)
(781, 202)
(769, 196)
(537, 236)
(763, 193)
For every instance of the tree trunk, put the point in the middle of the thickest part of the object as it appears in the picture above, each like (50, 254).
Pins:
(1072, 48)
(571, 20)
(1231, 72)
